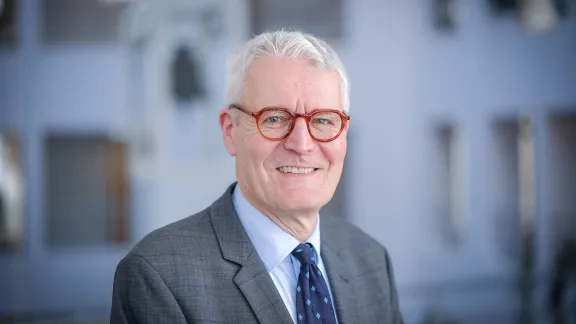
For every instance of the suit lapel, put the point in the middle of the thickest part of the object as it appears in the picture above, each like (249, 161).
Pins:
(260, 291)
(339, 277)
(252, 279)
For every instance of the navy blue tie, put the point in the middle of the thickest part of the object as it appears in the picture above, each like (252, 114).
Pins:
(313, 302)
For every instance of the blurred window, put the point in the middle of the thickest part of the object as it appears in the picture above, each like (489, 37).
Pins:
(81, 21)
(450, 183)
(7, 23)
(322, 18)
(11, 194)
(86, 190)
(512, 187)
(561, 177)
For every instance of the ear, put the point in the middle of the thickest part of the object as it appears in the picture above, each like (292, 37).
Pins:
(226, 121)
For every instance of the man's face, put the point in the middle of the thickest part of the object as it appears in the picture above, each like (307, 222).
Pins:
(276, 82)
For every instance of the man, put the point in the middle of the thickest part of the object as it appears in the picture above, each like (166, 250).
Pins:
(261, 253)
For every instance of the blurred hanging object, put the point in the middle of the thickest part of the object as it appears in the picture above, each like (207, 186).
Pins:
(187, 81)
(446, 14)
(538, 16)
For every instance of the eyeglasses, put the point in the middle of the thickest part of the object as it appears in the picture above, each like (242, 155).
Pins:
(275, 124)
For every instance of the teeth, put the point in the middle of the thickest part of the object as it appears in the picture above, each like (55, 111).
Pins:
(291, 169)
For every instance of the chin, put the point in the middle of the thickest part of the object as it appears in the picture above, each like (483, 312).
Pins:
(301, 199)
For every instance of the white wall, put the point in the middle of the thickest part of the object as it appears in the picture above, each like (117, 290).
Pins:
(414, 77)
(93, 88)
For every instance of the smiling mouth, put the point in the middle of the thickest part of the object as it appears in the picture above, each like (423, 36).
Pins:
(295, 170)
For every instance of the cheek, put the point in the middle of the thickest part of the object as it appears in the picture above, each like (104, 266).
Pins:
(247, 142)
(335, 153)
(259, 151)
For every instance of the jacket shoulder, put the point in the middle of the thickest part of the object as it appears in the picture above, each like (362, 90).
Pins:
(186, 236)
(343, 233)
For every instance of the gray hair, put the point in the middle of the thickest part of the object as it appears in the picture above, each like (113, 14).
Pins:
(292, 45)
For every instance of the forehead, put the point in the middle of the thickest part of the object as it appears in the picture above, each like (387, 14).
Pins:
(292, 84)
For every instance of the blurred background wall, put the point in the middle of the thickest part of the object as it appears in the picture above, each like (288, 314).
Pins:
(462, 146)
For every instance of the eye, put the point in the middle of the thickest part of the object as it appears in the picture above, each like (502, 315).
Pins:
(322, 121)
(273, 119)
(277, 118)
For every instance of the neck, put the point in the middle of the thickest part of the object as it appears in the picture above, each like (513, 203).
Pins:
(299, 224)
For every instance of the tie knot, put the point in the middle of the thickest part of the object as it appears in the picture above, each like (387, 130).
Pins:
(304, 254)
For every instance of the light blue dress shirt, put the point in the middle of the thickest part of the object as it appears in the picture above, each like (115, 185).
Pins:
(274, 246)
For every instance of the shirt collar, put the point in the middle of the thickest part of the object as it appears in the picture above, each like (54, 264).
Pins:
(272, 243)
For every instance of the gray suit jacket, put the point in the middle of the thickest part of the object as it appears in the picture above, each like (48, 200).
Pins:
(204, 269)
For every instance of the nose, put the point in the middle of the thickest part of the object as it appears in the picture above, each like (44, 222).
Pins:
(300, 141)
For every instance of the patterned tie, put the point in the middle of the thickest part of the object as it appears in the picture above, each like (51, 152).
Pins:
(313, 304)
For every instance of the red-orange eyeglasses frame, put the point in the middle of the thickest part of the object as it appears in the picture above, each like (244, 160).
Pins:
(345, 118)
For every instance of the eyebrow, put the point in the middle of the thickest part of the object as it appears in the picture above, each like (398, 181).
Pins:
(290, 108)
(275, 106)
